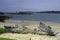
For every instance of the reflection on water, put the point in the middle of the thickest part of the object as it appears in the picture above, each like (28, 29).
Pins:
(37, 17)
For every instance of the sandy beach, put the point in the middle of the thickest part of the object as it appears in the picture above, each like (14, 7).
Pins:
(31, 25)
(28, 37)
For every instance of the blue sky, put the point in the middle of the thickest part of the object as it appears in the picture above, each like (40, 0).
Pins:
(29, 5)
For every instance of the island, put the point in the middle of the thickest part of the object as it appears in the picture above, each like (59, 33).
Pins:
(49, 12)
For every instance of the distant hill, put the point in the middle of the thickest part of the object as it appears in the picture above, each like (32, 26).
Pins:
(25, 13)
(49, 12)
(21, 13)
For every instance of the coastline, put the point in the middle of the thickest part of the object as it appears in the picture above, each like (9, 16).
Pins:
(31, 24)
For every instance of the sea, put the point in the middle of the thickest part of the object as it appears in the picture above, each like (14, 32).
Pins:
(47, 17)
(50, 17)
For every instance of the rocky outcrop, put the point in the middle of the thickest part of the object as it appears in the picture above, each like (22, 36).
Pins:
(17, 29)
(2, 18)
(11, 28)
(44, 29)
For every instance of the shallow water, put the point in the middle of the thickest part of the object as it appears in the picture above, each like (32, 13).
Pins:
(37, 17)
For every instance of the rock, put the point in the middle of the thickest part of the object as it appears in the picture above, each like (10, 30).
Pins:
(17, 29)
(2, 18)
(44, 29)
(12, 28)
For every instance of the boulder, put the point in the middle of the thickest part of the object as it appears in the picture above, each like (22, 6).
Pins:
(44, 29)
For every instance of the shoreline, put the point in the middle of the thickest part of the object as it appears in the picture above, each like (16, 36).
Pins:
(31, 24)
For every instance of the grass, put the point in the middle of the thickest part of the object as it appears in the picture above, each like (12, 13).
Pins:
(2, 30)
(21, 31)
(6, 39)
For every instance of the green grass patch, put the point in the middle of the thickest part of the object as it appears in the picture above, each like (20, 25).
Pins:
(2, 30)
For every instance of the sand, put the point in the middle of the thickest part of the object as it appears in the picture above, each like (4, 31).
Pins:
(28, 37)
(31, 25)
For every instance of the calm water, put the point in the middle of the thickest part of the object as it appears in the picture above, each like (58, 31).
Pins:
(37, 17)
